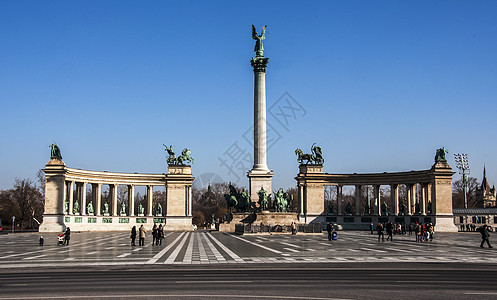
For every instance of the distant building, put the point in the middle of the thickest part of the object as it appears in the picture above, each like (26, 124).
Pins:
(485, 196)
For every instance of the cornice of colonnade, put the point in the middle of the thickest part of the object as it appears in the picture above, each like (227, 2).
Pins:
(104, 177)
(384, 178)
(180, 175)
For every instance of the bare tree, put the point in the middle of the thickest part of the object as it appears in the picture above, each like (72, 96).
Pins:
(458, 195)
(40, 176)
(29, 200)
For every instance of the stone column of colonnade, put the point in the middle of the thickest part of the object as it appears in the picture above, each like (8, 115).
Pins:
(71, 198)
(339, 199)
(394, 198)
(150, 193)
(358, 210)
(377, 200)
(96, 189)
(410, 194)
(131, 200)
(113, 193)
(82, 197)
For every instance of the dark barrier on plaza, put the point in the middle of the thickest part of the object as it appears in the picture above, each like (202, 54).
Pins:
(301, 228)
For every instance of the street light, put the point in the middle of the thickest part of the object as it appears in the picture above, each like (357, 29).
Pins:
(463, 165)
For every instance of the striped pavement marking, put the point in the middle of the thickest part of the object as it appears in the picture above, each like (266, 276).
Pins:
(226, 249)
(163, 251)
(176, 251)
(260, 246)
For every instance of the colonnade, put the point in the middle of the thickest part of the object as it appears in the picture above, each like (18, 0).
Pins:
(66, 202)
(76, 192)
(420, 197)
(432, 186)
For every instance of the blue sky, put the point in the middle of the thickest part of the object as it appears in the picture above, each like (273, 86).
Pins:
(380, 85)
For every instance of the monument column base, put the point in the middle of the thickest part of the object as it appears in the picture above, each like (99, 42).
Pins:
(444, 223)
(52, 223)
(257, 180)
(178, 224)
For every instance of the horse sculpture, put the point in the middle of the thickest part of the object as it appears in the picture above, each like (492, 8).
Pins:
(302, 157)
(180, 160)
(315, 158)
(185, 156)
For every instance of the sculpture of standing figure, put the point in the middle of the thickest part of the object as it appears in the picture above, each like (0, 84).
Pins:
(106, 208)
(141, 209)
(384, 208)
(259, 48)
(89, 208)
(158, 211)
(123, 209)
(263, 199)
(55, 152)
(348, 209)
(66, 207)
(75, 209)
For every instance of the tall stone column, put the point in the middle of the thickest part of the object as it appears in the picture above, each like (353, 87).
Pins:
(82, 196)
(377, 201)
(113, 189)
(339, 200)
(394, 196)
(97, 188)
(150, 193)
(190, 200)
(71, 198)
(260, 176)
(131, 200)
(422, 201)
(358, 210)
(411, 197)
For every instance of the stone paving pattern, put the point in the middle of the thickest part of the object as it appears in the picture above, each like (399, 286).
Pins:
(203, 247)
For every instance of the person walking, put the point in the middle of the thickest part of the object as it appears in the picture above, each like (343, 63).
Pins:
(154, 234)
(381, 234)
(160, 235)
(67, 236)
(485, 236)
(411, 227)
(294, 228)
(431, 230)
(133, 236)
(141, 241)
(329, 228)
(390, 231)
(371, 227)
(416, 232)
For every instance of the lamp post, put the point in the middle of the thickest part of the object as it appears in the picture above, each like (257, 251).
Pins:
(463, 166)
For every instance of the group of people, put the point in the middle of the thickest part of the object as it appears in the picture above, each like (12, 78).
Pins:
(157, 235)
(423, 232)
(468, 227)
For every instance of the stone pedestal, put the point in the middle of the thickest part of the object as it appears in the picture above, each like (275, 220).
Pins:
(53, 216)
(179, 198)
(441, 195)
(311, 193)
(258, 180)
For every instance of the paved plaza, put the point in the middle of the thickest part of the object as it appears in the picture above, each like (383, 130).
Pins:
(204, 247)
